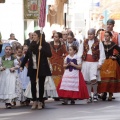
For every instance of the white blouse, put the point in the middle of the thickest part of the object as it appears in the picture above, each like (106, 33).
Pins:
(34, 61)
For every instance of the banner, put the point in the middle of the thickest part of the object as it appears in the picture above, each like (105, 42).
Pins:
(31, 9)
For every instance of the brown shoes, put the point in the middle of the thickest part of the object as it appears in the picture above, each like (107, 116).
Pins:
(40, 105)
(34, 105)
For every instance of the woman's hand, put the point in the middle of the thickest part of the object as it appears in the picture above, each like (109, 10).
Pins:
(40, 47)
(62, 41)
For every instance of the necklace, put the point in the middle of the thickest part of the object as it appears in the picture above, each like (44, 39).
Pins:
(107, 45)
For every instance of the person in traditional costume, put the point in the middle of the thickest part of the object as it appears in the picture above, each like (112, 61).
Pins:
(19, 53)
(58, 50)
(50, 88)
(71, 41)
(43, 71)
(18, 56)
(10, 87)
(98, 33)
(93, 57)
(115, 37)
(72, 85)
(23, 74)
(110, 69)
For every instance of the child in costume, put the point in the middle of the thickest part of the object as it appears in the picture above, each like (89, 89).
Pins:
(93, 57)
(23, 75)
(50, 88)
(72, 85)
(10, 86)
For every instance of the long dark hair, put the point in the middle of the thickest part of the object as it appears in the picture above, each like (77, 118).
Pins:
(34, 46)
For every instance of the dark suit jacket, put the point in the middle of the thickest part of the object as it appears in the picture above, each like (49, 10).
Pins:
(44, 69)
(27, 42)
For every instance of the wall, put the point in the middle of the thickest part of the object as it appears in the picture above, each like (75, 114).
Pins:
(11, 19)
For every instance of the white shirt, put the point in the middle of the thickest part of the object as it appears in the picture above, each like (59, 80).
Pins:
(34, 61)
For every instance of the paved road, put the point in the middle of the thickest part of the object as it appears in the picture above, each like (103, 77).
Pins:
(55, 111)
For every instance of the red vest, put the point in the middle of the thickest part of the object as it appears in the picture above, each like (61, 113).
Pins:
(94, 48)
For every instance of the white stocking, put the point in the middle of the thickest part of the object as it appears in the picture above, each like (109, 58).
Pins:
(89, 89)
(95, 88)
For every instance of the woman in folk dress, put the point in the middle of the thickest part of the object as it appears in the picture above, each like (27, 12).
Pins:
(110, 69)
(58, 50)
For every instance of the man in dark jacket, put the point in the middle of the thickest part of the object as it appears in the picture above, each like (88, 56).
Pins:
(29, 40)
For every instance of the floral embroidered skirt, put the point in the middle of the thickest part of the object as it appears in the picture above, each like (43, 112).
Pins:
(110, 77)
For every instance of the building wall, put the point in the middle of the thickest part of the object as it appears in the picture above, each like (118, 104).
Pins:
(11, 19)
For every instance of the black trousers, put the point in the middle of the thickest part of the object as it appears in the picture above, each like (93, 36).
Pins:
(41, 86)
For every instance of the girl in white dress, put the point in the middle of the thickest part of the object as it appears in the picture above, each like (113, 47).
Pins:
(24, 78)
(50, 89)
(10, 87)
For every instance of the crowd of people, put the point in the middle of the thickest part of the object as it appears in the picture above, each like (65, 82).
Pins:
(68, 68)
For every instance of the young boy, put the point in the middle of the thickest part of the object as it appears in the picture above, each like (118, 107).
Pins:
(93, 56)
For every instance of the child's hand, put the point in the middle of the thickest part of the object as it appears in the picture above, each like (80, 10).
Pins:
(3, 68)
(12, 70)
(72, 63)
(21, 69)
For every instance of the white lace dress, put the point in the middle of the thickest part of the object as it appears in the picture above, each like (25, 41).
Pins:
(10, 85)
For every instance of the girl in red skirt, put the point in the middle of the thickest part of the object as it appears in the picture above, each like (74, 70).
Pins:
(72, 85)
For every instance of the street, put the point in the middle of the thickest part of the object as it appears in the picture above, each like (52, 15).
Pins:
(102, 110)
